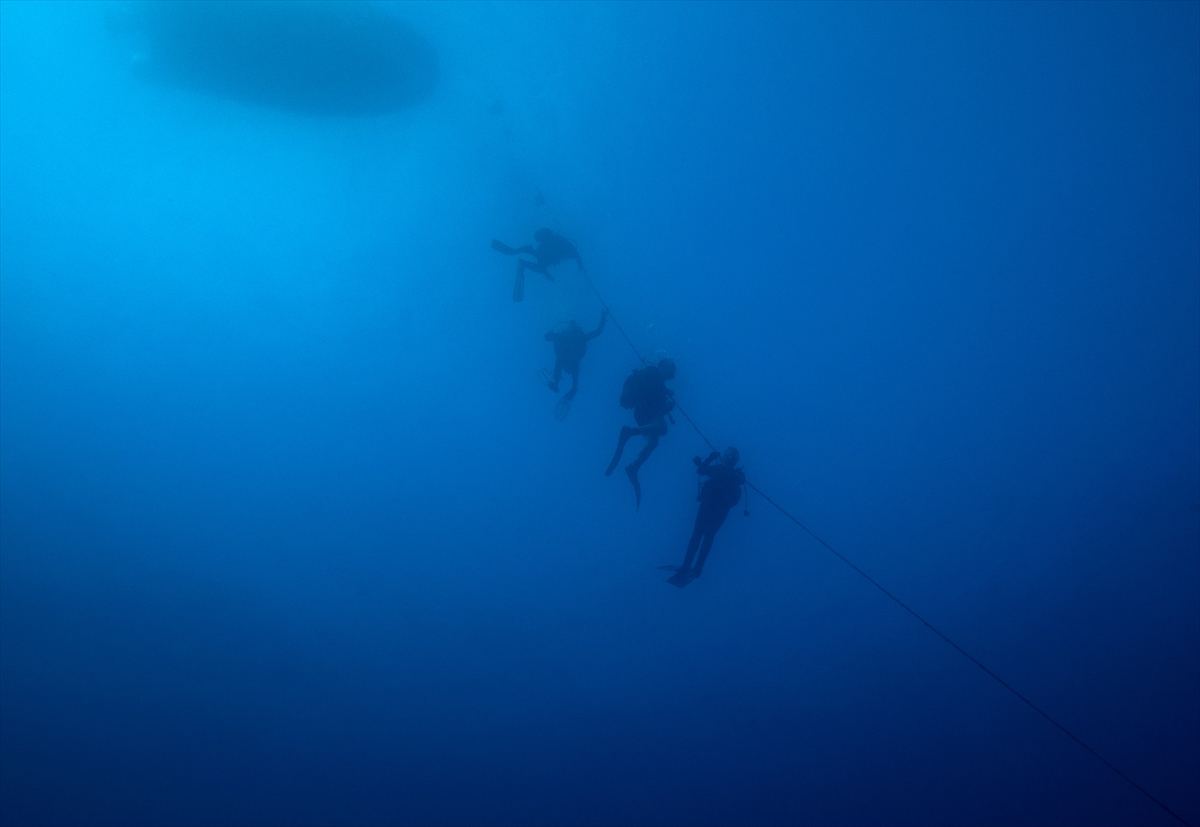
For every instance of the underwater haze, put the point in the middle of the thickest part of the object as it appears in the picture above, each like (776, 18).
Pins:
(289, 533)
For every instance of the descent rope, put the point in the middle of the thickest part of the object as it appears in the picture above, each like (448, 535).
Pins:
(893, 597)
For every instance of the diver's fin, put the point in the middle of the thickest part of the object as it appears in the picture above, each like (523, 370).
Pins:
(562, 408)
(612, 466)
(631, 472)
(519, 287)
(681, 578)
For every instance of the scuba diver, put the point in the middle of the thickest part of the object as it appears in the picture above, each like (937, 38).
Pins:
(552, 249)
(645, 391)
(570, 345)
(720, 492)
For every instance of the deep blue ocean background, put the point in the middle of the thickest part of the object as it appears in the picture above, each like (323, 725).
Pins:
(291, 536)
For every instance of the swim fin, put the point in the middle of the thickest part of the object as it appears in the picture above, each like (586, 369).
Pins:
(631, 472)
(681, 578)
(562, 408)
(519, 287)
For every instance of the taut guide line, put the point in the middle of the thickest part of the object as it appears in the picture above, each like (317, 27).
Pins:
(893, 597)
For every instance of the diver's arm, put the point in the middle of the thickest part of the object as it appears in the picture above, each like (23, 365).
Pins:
(704, 467)
(599, 328)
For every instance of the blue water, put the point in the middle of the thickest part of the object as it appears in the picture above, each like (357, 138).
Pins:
(291, 535)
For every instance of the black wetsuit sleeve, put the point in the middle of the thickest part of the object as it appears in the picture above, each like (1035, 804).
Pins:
(599, 329)
(567, 250)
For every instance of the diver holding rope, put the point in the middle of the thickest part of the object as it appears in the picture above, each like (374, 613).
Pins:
(719, 493)
(645, 391)
(570, 346)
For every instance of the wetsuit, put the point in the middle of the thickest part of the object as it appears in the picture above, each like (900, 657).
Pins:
(569, 348)
(720, 492)
(651, 404)
(654, 400)
(552, 249)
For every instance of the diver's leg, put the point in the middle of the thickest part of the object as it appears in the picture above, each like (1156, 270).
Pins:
(500, 247)
(651, 431)
(519, 287)
(684, 574)
(705, 548)
(647, 450)
(574, 382)
(553, 384)
(694, 542)
(712, 525)
(626, 433)
(631, 470)
(539, 268)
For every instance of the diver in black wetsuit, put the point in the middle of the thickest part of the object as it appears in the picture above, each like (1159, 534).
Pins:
(646, 392)
(552, 249)
(720, 493)
(569, 348)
